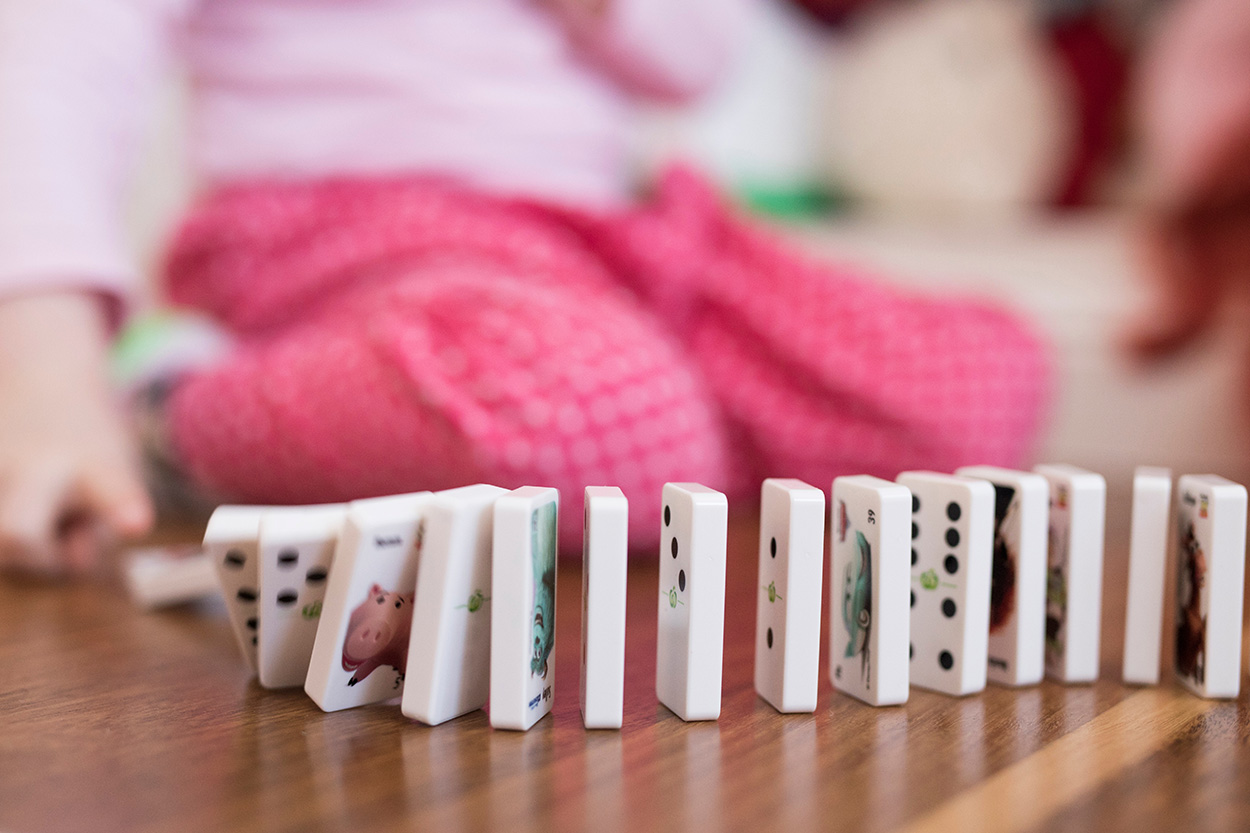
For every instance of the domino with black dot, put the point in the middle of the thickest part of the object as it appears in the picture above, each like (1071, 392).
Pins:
(296, 551)
(952, 535)
(230, 541)
(690, 627)
(787, 593)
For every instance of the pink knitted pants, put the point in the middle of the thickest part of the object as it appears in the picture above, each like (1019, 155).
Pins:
(412, 334)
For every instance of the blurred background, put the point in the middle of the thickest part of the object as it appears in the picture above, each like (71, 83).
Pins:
(966, 145)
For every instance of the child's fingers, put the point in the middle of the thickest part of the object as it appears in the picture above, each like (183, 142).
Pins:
(30, 504)
(1184, 258)
(116, 495)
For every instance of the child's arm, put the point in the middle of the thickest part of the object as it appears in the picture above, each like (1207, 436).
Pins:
(670, 49)
(1195, 92)
(75, 82)
(67, 466)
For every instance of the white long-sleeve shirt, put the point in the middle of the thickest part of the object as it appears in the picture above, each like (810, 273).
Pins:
(509, 96)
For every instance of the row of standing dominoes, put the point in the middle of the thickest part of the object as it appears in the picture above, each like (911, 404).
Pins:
(443, 599)
(1005, 582)
(986, 596)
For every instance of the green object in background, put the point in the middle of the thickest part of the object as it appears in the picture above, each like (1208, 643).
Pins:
(141, 338)
(791, 202)
(161, 341)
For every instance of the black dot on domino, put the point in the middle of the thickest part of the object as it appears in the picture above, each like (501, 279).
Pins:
(246, 594)
(316, 575)
(288, 559)
(951, 564)
(674, 547)
(287, 597)
(772, 547)
(769, 637)
(915, 503)
(948, 608)
(681, 580)
(911, 651)
(915, 531)
(253, 640)
(913, 598)
(914, 558)
(953, 511)
(251, 623)
(668, 516)
(235, 559)
(952, 537)
(946, 660)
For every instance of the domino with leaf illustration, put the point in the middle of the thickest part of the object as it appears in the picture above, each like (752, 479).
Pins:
(952, 537)
(690, 620)
(296, 552)
(787, 612)
(1018, 574)
(230, 541)
(361, 647)
(449, 650)
(1078, 501)
(523, 594)
(869, 576)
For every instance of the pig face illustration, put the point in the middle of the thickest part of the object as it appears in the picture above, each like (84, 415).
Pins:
(377, 633)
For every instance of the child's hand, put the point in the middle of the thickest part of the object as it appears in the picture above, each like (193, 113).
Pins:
(1196, 95)
(68, 475)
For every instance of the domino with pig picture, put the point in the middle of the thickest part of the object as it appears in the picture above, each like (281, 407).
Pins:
(361, 649)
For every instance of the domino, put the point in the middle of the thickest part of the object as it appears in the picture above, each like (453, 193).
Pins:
(1078, 501)
(1147, 564)
(787, 611)
(296, 551)
(361, 646)
(1017, 630)
(952, 547)
(523, 622)
(449, 650)
(869, 619)
(690, 621)
(230, 541)
(1211, 533)
(605, 547)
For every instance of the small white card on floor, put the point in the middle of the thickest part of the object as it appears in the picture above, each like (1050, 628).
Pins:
(605, 549)
(361, 647)
(231, 540)
(690, 629)
(1211, 561)
(296, 551)
(159, 577)
(869, 618)
(1017, 632)
(952, 541)
(449, 652)
(1147, 567)
(523, 593)
(787, 593)
(1078, 501)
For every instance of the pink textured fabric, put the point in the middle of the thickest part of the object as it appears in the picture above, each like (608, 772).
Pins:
(410, 334)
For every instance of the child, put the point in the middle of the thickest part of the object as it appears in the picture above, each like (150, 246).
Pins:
(415, 221)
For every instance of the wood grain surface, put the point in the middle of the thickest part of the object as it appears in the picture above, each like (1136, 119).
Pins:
(112, 719)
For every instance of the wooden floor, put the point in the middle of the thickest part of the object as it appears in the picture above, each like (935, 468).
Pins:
(111, 719)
